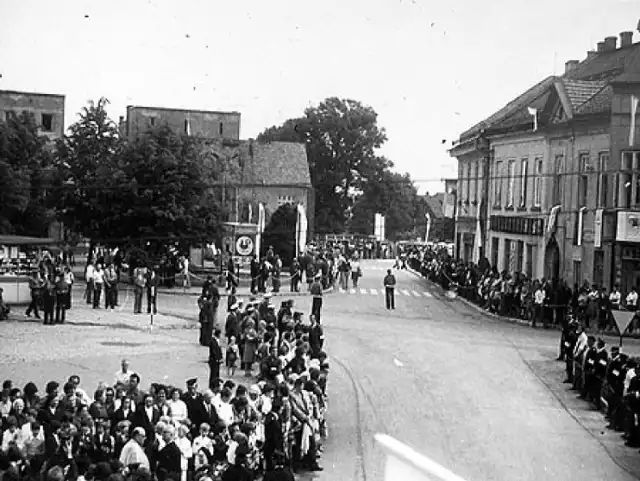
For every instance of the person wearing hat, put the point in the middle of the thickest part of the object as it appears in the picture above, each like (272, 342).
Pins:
(133, 455)
(569, 344)
(263, 307)
(589, 364)
(614, 385)
(169, 458)
(316, 292)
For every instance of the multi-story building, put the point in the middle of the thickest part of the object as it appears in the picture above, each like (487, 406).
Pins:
(563, 163)
(199, 123)
(47, 110)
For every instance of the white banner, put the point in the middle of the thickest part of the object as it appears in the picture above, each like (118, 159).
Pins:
(597, 235)
(302, 226)
(260, 228)
(580, 224)
(428, 216)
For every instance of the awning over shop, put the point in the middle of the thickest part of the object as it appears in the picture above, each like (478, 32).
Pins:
(17, 240)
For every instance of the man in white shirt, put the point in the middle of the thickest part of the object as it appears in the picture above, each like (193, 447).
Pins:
(81, 393)
(88, 276)
(614, 298)
(132, 453)
(124, 374)
(98, 281)
(538, 300)
(632, 300)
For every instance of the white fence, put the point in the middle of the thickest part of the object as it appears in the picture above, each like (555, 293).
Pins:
(406, 464)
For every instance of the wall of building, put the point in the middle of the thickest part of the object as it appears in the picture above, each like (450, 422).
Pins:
(36, 104)
(214, 125)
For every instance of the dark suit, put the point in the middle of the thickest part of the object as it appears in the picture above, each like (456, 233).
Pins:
(152, 292)
(118, 415)
(142, 420)
(168, 459)
(215, 359)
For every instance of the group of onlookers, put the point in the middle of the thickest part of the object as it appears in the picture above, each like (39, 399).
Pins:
(541, 302)
(50, 287)
(267, 430)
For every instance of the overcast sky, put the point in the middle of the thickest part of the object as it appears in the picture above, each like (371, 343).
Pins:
(430, 68)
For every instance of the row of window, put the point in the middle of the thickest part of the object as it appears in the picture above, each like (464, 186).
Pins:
(46, 120)
(517, 183)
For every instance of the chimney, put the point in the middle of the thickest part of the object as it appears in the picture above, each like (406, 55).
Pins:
(591, 54)
(626, 39)
(601, 47)
(610, 43)
(570, 65)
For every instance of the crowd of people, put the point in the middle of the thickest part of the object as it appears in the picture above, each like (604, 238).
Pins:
(266, 430)
(538, 301)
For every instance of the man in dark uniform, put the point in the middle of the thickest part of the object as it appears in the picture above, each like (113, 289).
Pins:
(389, 290)
(562, 299)
(215, 357)
(590, 359)
(62, 292)
(48, 300)
(600, 372)
(570, 342)
(615, 385)
(316, 293)
(35, 286)
(152, 291)
(633, 408)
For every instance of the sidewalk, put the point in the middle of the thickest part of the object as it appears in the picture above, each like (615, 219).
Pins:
(514, 320)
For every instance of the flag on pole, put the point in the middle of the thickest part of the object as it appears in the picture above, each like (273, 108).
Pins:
(250, 214)
(188, 127)
(302, 226)
(428, 216)
(580, 224)
(260, 230)
(632, 127)
(534, 113)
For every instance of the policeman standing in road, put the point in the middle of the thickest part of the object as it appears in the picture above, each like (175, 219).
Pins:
(570, 341)
(316, 292)
(389, 290)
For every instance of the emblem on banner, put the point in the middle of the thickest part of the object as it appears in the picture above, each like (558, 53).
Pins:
(244, 246)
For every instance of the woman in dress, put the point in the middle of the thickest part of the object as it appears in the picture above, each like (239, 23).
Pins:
(182, 441)
(178, 407)
(250, 347)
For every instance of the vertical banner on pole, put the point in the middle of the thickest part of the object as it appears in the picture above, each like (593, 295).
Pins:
(426, 237)
(382, 228)
(301, 229)
(260, 229)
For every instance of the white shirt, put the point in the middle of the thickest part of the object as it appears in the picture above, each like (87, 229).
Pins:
(540, 296)
(632, 299)
(615, 297)
(27, 434)
(225, 413)
(631, 373)
(202, 442)
(178, 410)
(98, 276)
(185, 448)
(89, 273)
(123, 377)
(9, 436)
(132, 453)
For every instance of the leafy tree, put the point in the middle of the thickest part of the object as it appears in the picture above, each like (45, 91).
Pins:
(341, 136)
(167, 190)
(87, 172)
(280, 232)
(25, 170)
(394, 196)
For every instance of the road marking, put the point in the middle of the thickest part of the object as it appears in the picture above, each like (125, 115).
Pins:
(427, 294)
(363, 291)
(342, 291)
(405, 292)
(397, 362)
(352, 291)
(374, 292)
(416, 294)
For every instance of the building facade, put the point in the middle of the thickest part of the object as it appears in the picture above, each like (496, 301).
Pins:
(563, 174)
(198, 123)
(47, 110)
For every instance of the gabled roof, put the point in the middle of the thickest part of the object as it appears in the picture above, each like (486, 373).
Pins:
(434, 203)
(584, 90)
(607, 65)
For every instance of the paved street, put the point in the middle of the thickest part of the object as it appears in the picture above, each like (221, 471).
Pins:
(481, 396)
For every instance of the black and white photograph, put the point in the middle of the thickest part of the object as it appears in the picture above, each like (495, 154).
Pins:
(357, 240)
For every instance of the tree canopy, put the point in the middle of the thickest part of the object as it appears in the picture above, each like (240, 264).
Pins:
(25, 170)
(351, 181)
(152, 188)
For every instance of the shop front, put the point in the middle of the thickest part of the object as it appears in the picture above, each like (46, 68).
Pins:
(19, 257)
(627, 264)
